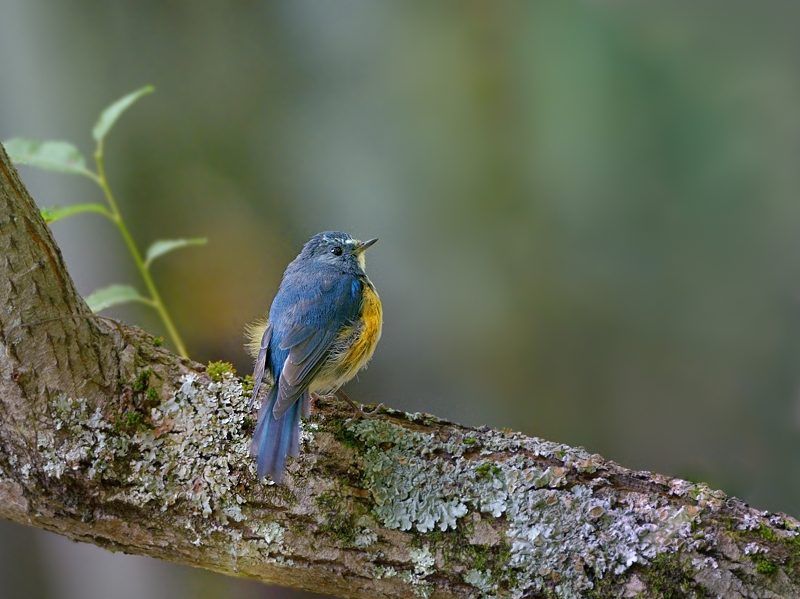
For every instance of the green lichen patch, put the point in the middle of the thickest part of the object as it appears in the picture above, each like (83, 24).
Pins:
(218, 370)
(248, 425)
(137, 399)
(345, 530)
(488, 469)
(562, 536)
(142, 381)
(770, 541)
(670, 576)
(340, 525)
(152, 397)
(130, 422)
(489, 564)
(764, 566)
(344, 435)
(346, 521)
(248, 383)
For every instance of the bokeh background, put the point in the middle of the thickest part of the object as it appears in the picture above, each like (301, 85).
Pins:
(589, 214)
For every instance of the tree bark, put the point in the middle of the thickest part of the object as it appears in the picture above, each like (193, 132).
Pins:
(108, 438)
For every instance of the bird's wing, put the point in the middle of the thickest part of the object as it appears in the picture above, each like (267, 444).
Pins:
(318, 318)
(261, 362)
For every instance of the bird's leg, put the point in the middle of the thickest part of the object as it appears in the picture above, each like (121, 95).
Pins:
(315, 397)
(360, 411)
(309, 401)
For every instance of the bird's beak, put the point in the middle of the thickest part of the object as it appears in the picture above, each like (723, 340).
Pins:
(364, 245)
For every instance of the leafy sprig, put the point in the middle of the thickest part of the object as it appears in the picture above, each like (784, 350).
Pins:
(63, 157)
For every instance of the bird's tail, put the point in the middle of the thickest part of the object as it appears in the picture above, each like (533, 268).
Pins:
(276, 438)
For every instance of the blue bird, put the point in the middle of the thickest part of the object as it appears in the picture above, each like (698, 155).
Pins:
(322, 328)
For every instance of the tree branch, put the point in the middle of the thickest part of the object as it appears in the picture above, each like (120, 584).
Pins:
(109, 439)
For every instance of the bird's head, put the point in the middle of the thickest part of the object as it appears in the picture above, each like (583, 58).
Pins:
(337, 249)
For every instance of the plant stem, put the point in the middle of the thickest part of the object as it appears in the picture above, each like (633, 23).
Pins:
(116, 216)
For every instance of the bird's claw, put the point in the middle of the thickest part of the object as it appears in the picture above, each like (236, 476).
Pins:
(360, 413)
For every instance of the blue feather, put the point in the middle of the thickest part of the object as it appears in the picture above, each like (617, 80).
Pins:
(276, 438)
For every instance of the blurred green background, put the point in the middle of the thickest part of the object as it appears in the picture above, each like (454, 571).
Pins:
(589, 214)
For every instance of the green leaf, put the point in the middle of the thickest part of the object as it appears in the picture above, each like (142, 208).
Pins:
(56, 213)
(159, 248)
(113, 112)
(59, 156)
(113, 295)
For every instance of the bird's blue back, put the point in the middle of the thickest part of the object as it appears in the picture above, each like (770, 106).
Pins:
(314, 300)
(313, 305)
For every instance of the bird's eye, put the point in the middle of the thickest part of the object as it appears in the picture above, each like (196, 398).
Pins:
(336, 251)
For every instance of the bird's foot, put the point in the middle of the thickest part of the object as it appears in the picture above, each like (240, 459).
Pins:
(360, 412)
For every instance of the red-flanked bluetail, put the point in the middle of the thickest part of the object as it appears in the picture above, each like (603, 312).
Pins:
(322, 328)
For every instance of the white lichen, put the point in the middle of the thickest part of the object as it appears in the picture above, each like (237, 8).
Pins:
(272, 535)
(193, 450)
(482, 581)
(365, 538)
(561, 537)
(749, 522)
(423, 563)
(307, 431)
(384, 572)
(754, 549)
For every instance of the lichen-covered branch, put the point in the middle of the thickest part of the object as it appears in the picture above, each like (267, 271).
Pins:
(108, 438)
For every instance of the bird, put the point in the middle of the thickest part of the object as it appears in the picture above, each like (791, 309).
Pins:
(322, 328)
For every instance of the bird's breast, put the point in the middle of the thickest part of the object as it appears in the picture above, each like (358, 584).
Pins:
(372, 324)
(355, 345)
